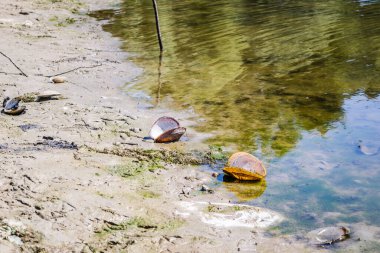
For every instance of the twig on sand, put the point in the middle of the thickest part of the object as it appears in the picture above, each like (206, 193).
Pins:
(8, 73)
(70, 205)
(107, 51)
(130, 143)
(14, 64)
(71, 70)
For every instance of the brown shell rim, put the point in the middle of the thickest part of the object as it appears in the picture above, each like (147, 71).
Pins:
(17, 111)
(170, 130)
(246, 174)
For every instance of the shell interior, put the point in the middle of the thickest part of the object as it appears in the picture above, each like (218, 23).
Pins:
(12, 104)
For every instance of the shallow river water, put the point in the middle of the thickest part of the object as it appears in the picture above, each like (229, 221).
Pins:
(295, 83)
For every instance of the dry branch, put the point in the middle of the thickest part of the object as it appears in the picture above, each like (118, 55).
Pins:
(71, 70)
(14, 64)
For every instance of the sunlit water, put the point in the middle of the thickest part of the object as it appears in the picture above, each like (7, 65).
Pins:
(296, 83)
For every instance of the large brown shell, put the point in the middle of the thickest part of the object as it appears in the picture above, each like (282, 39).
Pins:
(244, 166)
(166, 129)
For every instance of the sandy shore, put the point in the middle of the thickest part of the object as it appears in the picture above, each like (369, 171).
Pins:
(77, 175)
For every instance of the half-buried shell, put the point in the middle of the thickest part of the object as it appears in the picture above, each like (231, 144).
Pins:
(48, 94)
(166, 129)
(244, 166)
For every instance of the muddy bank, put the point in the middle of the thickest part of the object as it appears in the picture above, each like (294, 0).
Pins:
(77, 173)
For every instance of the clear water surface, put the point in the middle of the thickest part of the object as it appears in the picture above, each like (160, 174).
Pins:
(296, 83)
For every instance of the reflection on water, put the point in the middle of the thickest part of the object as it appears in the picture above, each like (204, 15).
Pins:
(326, 180)
(295, 82)
(244, 191)
(259, 72)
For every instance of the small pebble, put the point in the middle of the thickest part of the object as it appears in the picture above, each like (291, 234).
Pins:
(135, 129)
(28, 23)
(189, 178)
(58, 79)
(215, 174)
(205, 188)
(186, 190)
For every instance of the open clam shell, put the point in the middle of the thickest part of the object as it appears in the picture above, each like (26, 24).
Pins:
(166, 129)
(244, 166)
(17, 111)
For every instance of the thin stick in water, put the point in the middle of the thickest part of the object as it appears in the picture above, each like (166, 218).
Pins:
(157, 24)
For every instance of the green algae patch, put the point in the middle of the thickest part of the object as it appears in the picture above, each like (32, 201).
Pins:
(104, 195)
(149, 194)
(158, 155)
(132, 168)
(217, 153)
(138, 222)
(172, 224)
(225, 209)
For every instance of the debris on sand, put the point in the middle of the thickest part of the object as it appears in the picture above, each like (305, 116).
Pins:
(60, 144)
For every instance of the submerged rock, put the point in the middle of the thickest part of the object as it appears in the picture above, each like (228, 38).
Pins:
(367, 148)
(328, 235)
